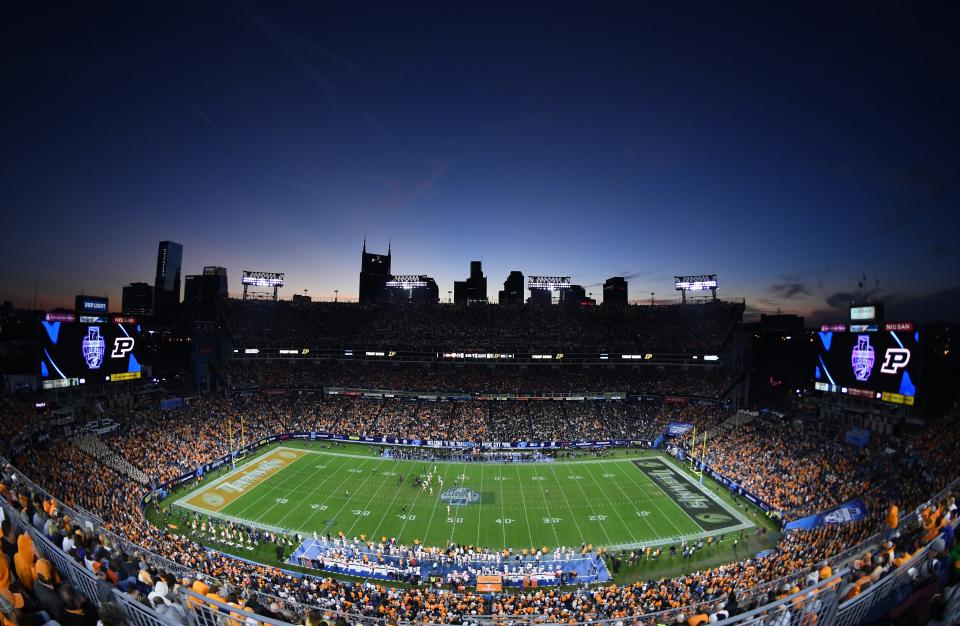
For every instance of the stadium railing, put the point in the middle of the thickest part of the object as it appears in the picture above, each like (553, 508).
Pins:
(855, 610)
(82, 517)
(797, 608)
(813, 605)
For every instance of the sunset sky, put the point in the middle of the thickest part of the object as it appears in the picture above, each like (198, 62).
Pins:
(792, 150)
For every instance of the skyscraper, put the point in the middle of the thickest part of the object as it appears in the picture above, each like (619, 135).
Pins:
(575, 296)
(201, 292)
(474, 289)
(374, 274)
(615, 291)
(513, 289)
(166, 287)
(137, 299)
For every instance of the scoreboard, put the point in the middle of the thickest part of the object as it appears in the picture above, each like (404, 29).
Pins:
(88, 352)
(869, 361)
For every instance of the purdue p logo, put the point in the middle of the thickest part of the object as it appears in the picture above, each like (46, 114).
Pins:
(121, 346)
(895, 360)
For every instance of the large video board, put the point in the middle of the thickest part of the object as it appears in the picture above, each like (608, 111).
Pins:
(869, 363)
(77, 353)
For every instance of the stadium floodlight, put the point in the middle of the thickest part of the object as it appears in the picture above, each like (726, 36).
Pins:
(261, 280)
(695, 282)
(407, 281)
(551, 283)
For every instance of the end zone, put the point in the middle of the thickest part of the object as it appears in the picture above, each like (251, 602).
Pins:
(214, 497)
(705, 508)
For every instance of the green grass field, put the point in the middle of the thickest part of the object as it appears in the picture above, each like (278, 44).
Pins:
(641, 499)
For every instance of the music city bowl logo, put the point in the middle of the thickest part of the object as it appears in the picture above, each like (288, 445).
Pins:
(459, 496)
(94, 348)
(862, 358)
(844, 514)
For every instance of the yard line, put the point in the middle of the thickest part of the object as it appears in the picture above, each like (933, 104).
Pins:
(590, 503)
(552, 526)
(280, 488)
(275, 489)
(374, 496)
(456, 516)
(646, 496)
(524, 501)
(569, 508)
(348, 500)
(434, 512)
(416, 469)
(615, 508)
(387, 511)
(479, 509)
(503, 514)
(309, 496)
(332, 494)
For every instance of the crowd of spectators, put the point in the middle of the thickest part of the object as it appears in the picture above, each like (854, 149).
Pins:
(674, 329)
(802, 467)
(777, 453)
(256, 374)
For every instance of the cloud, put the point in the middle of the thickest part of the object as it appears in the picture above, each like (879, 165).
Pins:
(943, 305)
(797, 284)
(294, 47)
(377, 126)
(942, 249)
(627, 276)
(839, 301)
(788, 290)
(215, 128)
(402, 193)
(632, 275)
(842, 299)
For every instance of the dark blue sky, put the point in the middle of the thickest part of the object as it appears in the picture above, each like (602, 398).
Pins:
(788, 149)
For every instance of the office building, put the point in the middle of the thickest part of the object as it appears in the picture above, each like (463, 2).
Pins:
(615, 291)
(137, 300)
(513, 289)
(166, 287)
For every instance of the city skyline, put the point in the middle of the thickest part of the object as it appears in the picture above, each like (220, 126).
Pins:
(864, 293)
(797, 157)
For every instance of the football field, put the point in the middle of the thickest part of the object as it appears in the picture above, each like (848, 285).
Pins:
(612, 502)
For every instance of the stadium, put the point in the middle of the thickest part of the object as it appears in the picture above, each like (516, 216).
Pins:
(324, 469)
(480, 314)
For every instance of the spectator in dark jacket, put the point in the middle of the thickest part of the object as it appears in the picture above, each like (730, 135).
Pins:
(46, 593)
(104, 588)
(76, 610)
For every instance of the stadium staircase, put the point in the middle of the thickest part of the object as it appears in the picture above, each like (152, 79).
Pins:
(741, 418)
(94, 447)
(735, 421)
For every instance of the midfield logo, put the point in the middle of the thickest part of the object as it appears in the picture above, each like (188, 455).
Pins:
(460, 496)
